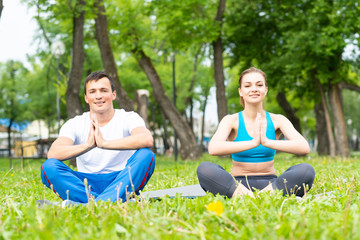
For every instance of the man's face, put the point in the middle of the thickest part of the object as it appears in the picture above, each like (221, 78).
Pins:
(99, 95)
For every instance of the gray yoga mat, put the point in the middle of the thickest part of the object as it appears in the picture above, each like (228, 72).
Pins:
(191, 191)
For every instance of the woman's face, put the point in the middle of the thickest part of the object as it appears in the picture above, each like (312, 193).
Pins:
(253, 88)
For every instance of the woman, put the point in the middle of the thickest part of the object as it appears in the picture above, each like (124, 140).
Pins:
(250, 136)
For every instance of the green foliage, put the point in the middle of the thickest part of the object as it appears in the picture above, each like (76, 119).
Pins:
(130, 23)
(352, 110)
(186, 22)
(264, 217)
(13, 97)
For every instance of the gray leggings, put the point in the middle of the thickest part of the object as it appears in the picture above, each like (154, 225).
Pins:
(215, 179)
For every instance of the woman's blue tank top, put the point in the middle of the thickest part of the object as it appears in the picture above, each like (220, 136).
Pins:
(260, 153)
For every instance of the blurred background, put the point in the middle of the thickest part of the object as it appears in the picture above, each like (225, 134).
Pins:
(177, 63)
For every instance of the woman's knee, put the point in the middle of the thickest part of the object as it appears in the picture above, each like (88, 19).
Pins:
(206, 169)
(308, 172)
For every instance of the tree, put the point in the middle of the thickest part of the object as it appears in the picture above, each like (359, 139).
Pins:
(298, 43)
(102, 37)
(188, 148)
(13, 98)
(73, 104)
(218, 63)
(289, 111)
(254, 36)
(136, 34)
(41, 89)
(317, 44)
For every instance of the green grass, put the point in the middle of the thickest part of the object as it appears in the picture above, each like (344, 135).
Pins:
(263, 217)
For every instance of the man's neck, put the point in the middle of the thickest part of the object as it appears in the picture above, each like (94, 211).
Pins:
(104, 118)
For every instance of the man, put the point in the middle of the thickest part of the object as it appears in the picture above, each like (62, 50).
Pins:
(110, 146)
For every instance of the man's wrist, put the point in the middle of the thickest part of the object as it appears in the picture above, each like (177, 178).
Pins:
(88, 146)
(103, 144)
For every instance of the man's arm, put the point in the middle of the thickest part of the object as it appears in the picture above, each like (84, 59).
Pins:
(63, 148)
(140, 137)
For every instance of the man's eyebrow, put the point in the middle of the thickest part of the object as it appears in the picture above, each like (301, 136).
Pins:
(99, 88)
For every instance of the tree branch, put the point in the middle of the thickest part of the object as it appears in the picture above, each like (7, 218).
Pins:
(350, 86)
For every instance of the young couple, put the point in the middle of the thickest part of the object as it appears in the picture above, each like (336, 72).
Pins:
(111, 149)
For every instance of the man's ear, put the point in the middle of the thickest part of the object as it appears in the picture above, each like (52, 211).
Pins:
(86, 100)
(114, 95)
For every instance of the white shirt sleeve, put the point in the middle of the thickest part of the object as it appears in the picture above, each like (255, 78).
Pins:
(133, 121)
(67, 130)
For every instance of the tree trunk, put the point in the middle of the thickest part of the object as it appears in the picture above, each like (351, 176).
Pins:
(321, 132)
(327, 119)
(1, 7)
(188, 148)
(342, 144)
(165, 134)
(191, 117)
(9, 137)
(218, 65)
(73, 104)
(203, 122)
(152, 126)
(290, 113)
(102, 37)
(189, 99)
(142, 99)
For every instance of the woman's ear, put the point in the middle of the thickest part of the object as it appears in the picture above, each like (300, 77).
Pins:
(240, 92)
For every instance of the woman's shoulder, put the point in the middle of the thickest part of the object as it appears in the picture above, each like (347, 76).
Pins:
(230, 117)
(277, 116)
(229, 120)
(278, 119)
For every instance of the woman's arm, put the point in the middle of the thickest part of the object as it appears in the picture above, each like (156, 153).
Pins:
(219, 145)
(295, 143)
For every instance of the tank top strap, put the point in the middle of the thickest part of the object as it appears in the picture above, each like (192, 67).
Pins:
(241, 127)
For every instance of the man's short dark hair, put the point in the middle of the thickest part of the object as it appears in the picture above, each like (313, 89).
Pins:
(96, 76)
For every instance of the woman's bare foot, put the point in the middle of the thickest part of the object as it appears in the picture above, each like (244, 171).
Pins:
(242, 190)
(268, 188)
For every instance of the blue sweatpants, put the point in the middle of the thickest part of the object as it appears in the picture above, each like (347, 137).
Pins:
(70, 185)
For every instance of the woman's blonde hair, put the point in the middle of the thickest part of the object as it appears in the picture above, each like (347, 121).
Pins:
(250, 70)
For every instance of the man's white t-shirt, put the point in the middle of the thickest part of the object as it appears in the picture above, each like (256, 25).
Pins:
(99, 160)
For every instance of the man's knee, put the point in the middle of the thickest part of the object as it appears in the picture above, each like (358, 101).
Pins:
(49, 169)
(145, 154)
